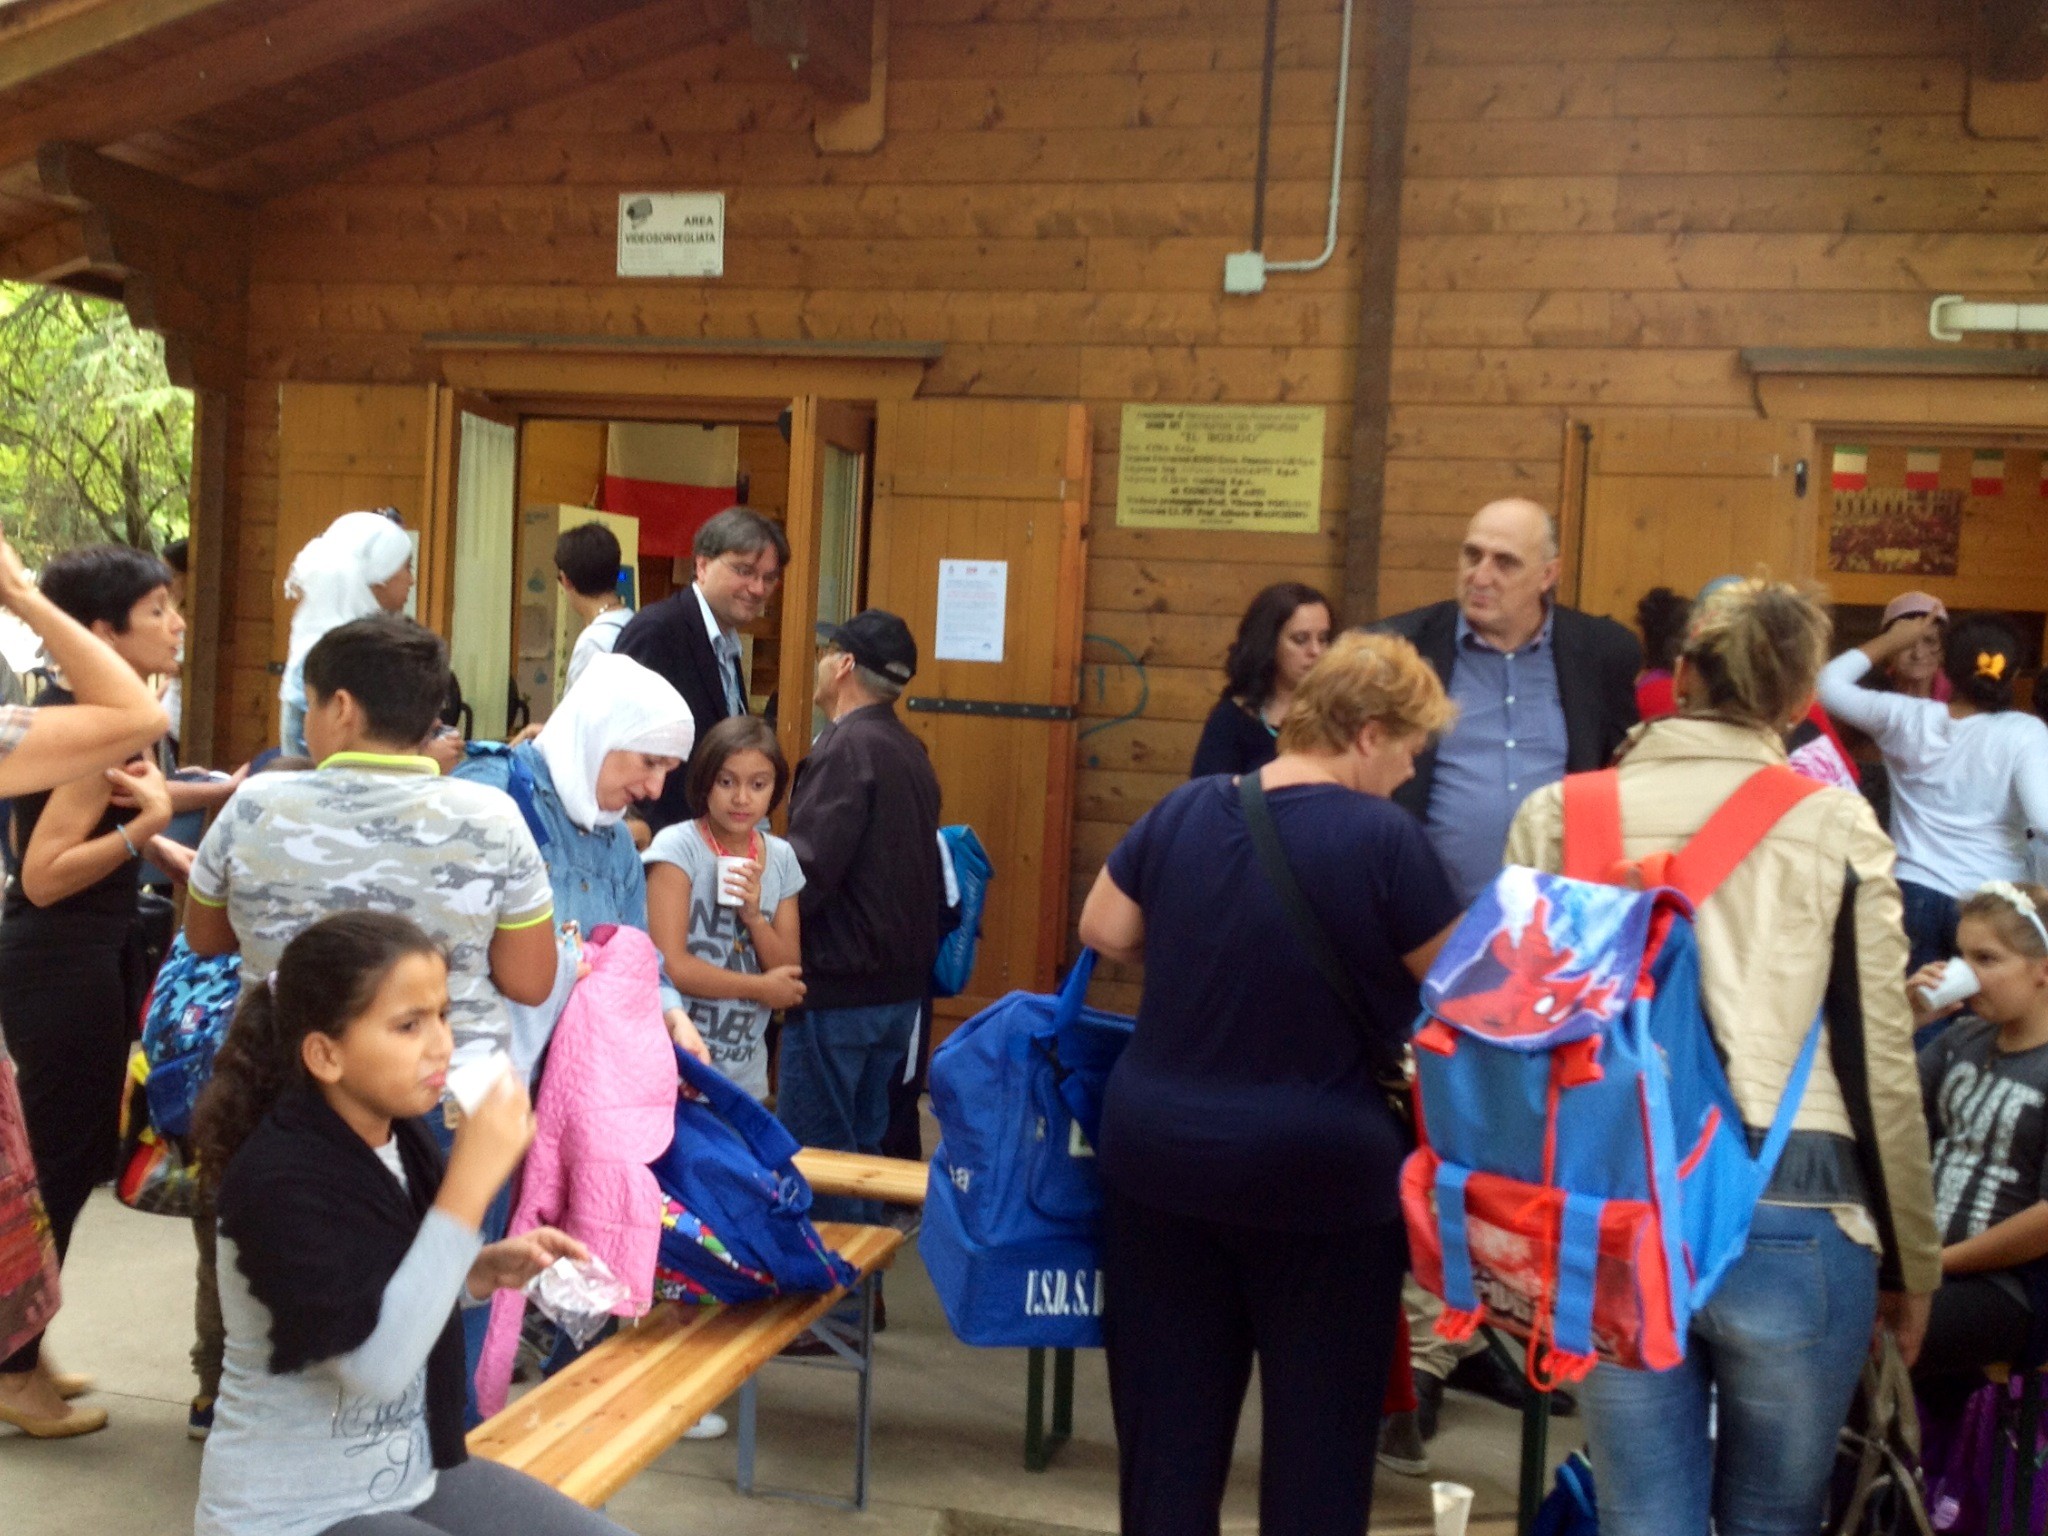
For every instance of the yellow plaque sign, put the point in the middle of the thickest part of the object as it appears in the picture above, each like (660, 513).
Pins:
(1245, 468)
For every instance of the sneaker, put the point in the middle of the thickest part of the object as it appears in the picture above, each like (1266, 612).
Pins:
(711, 1427)
(1485, 1375)
(199, 1420)
(1401, 1449)
(1429, 1403)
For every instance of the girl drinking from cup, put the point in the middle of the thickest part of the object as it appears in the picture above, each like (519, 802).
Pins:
(344, 1247)
(1985, 1082)
(721, 899)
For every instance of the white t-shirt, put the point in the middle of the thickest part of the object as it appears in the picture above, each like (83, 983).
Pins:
(736, 1031)
(1964, 792)
(601, 634)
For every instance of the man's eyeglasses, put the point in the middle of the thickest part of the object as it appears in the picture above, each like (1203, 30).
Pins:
(751, 573)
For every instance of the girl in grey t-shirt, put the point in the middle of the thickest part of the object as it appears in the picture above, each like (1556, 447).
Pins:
(733, 955)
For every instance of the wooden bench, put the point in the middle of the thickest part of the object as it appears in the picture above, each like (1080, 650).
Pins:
(593, 1426)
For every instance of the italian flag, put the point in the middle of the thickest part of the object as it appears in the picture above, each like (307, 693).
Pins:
(1852, 468)
(1987, 473)
(674, 477)
(1923, 469)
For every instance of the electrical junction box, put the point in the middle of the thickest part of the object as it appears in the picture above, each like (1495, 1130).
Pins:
(1244, 272)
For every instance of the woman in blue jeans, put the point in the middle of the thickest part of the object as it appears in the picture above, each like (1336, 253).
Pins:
(1740, 1438)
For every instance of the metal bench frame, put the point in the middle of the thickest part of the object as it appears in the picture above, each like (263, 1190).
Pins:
(853, 1349)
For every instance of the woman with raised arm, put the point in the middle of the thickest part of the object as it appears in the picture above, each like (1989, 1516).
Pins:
(114, 715)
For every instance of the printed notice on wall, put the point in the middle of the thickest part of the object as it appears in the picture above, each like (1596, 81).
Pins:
(973, 595)
(672, 234)
(1246, 468)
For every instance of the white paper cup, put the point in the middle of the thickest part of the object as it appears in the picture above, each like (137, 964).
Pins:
(1453, 1503)
(1958, 982)
(730, 879)
(473, 1081)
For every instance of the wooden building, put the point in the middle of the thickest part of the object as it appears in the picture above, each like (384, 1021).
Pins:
(1651, 261)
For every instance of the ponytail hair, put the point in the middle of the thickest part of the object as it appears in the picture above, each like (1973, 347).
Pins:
(1758, 645)
(325, 979)
(1981, 659)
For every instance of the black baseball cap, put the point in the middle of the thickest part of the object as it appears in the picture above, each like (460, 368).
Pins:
(877, 640)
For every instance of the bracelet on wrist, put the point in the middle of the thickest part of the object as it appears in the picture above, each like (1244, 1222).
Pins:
(127, 841)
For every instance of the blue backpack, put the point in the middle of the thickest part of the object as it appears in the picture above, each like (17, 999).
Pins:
(1584, 1178)
(1013, 1202)
(183, 1024)
(736, 1220)
(954, 967)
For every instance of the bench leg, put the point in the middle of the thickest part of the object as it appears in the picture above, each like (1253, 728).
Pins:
(857, 1355)
(1535, 1458)
(1040, 1445)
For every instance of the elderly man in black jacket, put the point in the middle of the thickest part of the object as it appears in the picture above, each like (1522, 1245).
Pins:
(1542, 690)
(864, 820)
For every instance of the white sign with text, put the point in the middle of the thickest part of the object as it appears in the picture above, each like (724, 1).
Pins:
(671, 234)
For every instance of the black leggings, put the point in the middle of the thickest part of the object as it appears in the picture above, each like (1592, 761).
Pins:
(70, 999)
(1189, 1303)
(1975, 1322)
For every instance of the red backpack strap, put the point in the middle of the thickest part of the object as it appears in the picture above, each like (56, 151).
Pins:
(1744, 820)
(1592, 826)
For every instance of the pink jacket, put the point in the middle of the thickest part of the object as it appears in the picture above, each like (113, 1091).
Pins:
(606, 1109)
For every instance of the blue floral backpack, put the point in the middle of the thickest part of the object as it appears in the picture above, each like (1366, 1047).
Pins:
(736, 1223)
(183, 1023)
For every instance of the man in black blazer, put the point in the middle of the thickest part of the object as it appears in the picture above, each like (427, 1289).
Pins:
(1542, 690)
(692, 638)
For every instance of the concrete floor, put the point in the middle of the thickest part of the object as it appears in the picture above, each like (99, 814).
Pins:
(947, 1451)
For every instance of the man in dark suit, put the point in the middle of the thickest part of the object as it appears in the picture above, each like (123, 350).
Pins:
(1542, 690)
(692, 638)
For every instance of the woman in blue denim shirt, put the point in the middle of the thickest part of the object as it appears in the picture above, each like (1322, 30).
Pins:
(613, 740)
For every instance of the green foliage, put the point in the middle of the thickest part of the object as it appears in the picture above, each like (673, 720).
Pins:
(95, 441)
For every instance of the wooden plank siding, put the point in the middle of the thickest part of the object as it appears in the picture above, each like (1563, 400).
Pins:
(1604, 202)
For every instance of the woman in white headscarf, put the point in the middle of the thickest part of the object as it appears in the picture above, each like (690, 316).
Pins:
(618, 733)
(360, 566)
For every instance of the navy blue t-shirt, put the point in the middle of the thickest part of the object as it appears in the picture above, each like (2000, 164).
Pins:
(1247, 1094)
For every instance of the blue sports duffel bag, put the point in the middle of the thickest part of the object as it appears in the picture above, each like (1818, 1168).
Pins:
(1010, 1219)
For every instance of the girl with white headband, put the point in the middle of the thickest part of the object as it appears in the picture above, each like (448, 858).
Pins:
(1985, 1082)
(362, 565)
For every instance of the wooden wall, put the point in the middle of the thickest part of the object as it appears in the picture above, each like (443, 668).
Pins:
(1605, 201)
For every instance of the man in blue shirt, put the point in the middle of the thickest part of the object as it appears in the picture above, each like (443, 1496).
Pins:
(1542, 690)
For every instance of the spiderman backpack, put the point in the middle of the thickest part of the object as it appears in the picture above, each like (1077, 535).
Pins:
(1584, 1178)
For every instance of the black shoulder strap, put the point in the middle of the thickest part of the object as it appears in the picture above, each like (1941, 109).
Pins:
(1315, 938)
(1843, 1002)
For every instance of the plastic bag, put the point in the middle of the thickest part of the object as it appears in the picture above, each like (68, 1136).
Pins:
(578, 1296)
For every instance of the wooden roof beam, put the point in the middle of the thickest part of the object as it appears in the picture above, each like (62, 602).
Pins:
(54, 253)
(829, 43)
(218, 72)
(624, 42)
(37, 40)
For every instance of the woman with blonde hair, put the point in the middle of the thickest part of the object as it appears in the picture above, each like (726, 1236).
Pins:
(1248, 1156)
(1811, 915)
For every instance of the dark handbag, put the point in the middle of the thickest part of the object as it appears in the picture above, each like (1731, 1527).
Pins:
(1390, 1071)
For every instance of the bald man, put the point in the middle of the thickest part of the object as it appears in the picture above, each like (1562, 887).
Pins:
(1542, 690)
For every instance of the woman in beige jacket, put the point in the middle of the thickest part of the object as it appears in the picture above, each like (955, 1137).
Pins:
(1849, 1212)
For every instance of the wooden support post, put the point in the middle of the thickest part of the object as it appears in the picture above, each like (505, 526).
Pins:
(1372, 393)
(180, 260)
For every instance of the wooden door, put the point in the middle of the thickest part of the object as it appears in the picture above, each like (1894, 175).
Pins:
(986, 481)
(345, 448)
(1677, 501)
